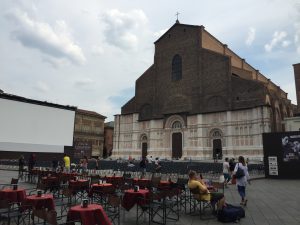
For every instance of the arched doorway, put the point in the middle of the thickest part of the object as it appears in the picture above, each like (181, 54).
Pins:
(216, 136)
(144, 146)
(176, 140)
(217, 149)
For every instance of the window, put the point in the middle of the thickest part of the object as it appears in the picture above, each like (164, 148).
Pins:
(176, 68)
(216, 134)
(144, 138)
(177, 125)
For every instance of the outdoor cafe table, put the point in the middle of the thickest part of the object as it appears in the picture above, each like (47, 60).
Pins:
(50, 181)
(11, 195)
(78, 183)
(114, 179)
(101, 188)
(93, 214)
(142, 182)
(77, 186)
(132, 197)
(164, 184)
(43, 201)
(64, 177)
(40, 172)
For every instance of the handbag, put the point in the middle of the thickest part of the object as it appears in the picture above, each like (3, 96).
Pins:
(239, 173)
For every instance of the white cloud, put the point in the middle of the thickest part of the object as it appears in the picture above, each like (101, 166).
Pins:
(41, 87)
(285, 43)
(85, 11)
(83, 83)
(251, 36)
(53, 41)
(107, 44)
(97, 50)
(158, 34)
(55, 62)
(123, 29)
(297, 37)
(278, 37)
(291, 89)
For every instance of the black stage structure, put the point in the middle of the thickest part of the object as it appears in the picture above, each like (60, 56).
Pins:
(282, 155)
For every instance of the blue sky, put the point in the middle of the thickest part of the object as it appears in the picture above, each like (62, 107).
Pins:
(89, 53)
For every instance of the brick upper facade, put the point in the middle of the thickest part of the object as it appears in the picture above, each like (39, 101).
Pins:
(214, 79)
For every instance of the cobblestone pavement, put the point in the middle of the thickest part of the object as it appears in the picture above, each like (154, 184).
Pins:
(272, 202)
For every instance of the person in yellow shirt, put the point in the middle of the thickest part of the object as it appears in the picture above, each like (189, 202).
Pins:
(67, 162)
(203, 193)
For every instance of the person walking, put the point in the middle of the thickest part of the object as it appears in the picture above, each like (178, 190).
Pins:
(226, 174)
(157, 165)
(54, 164)
(143, 165)
(231, 169)
(21, 166)
(31, 164)
(97, 163)
(84, 164)
(242, 180)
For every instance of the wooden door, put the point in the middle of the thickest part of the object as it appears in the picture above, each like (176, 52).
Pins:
(176, 145)
(217, 149)
(144, 149)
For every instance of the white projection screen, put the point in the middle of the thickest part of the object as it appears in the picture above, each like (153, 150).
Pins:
(27, 127)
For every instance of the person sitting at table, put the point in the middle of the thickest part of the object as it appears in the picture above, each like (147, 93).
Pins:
(204, 194)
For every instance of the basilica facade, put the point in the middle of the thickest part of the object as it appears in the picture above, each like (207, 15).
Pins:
(198, 100)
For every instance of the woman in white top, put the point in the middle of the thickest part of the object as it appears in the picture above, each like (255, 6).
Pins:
(242, 181)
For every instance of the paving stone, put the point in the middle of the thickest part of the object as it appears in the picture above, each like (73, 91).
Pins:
(270, 202)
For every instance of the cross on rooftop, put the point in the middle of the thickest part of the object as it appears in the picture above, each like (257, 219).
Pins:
(177, 21)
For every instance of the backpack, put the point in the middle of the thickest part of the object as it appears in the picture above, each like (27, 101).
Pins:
(239, 173)
(231, 213)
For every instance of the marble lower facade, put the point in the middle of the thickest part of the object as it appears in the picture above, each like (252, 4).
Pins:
(198, 137)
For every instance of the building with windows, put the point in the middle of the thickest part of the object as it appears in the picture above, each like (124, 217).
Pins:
(88, 134)
(108, 139)
(198, 100)
(293, 123)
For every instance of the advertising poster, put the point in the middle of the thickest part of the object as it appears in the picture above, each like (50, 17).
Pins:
(273, 166)
(291, 147)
